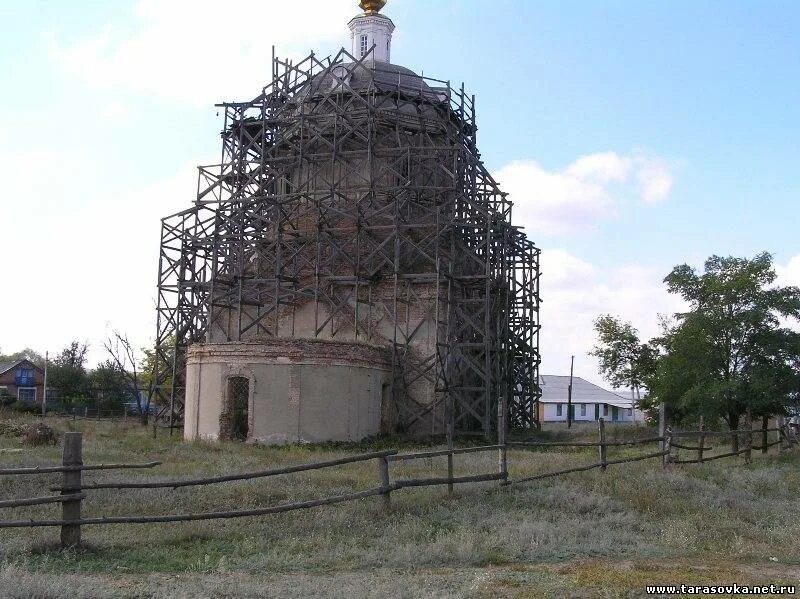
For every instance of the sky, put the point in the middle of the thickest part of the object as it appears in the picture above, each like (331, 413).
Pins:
(631, 136)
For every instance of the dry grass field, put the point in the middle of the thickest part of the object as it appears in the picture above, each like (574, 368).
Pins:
(604, 534)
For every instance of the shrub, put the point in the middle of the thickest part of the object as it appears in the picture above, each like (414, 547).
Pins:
(6, 399)
(26, 408)
(9, 428)
(39, 434)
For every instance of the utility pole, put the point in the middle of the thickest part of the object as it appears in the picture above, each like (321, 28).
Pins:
(569, 392)
(44, 390)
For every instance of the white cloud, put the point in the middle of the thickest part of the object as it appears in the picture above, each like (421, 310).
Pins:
(202, 51)
(575, 292)
(565, 271)
(655, 180)
(590, 189)
(789, 274)
(89, 255)
(115, 110)
(603, 167)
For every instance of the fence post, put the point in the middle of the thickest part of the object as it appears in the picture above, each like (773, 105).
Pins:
(450, 472)
(764, 433)
(748, 448)
(701, 440)
(502, 453)
(71, 510)
(601, 444)
(450, 453)
(503, 464)
(383, 478)
(781, 433)
(667, 447)
(662, 432)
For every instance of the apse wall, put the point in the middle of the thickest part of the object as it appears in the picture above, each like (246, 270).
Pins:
(305, 390)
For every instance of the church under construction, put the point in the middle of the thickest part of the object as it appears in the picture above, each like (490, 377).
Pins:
(350, 266)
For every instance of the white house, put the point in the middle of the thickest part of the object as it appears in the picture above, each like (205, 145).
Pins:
(589, 402)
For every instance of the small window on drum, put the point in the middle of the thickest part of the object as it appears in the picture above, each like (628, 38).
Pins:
(363, 45)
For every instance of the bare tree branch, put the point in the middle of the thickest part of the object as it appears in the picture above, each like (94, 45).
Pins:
(124, 358)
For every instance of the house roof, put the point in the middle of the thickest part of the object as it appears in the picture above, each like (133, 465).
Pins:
(6, 366)
(554, 390)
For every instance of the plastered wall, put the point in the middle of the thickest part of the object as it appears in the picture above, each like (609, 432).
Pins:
(299, 390)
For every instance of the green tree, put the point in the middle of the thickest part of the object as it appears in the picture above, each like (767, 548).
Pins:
(624, 360)
(109, 385)
(25, 354)
(729, 352)
(67, 373)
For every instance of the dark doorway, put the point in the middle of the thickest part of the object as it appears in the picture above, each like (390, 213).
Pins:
(238, 400)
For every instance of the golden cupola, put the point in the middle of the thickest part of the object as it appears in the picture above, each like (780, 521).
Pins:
(372, 7)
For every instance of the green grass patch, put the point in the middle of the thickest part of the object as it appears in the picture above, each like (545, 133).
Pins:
(598, 531)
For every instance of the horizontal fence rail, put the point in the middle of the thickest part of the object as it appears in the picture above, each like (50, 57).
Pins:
(556, 473)
(442, 452)
(585, 467)
(424, 482)
(276, 509)
(211, 480)
(762, 447)
(83, 468)
(713, 457)
(73, 488)
(692, 447)
(584, 444)
(707, 433)
(41, 500)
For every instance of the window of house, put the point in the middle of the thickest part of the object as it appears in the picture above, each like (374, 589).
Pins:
(605, 409)
(26, 373)
(559, 409)
(583, 409)
(26, 394)
(629, 412)
(363, 45)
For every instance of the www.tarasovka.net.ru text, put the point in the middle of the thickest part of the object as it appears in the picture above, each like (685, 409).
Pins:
(721, 589)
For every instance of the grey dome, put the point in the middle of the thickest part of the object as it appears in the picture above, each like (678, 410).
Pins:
(383, 76)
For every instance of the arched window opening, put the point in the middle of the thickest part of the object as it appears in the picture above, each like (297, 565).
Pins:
(236, 414)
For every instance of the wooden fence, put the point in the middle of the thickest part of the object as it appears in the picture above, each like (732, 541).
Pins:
(73, 488)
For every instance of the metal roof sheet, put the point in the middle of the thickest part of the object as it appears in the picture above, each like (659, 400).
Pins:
(554, 390)
(6, 366)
